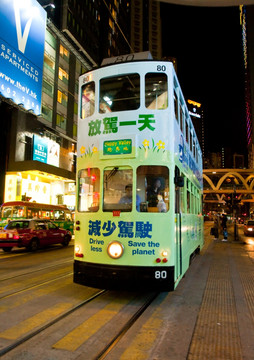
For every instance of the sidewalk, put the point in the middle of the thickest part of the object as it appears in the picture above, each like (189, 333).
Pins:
(210, 315)
(225, 323)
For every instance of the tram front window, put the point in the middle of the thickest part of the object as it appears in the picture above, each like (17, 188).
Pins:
(117, 194)
(153, 188)
(120, 93)
(88, 190)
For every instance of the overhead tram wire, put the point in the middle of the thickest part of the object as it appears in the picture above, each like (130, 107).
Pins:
(131, 49)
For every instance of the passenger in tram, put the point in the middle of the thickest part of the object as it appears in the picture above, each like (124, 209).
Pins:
(88, 97)
(153, 192)
(127, 198)
(161, 204)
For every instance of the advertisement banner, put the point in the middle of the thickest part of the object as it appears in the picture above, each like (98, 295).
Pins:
(46, 150)
(40, 149)
(22, 38)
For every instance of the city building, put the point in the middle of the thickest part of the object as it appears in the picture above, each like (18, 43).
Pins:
(39, 141)
(247, 24)
(146, 27)
(39, 149)
(197, 117)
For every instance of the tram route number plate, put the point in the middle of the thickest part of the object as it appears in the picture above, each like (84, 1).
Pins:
(160, 274)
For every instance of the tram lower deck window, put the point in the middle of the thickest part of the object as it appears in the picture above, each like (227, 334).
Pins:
(153, 188)
(117, 192)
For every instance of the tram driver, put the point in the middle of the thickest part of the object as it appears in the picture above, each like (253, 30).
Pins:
(127, 198)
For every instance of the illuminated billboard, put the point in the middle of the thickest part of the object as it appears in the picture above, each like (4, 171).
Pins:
(46, 150)
(22, 38)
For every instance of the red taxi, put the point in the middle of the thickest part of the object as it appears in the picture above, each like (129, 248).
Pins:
(32, 234)
(249, 228)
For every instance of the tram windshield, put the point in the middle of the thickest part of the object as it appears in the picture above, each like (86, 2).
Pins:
(117, 194)
(120, 93)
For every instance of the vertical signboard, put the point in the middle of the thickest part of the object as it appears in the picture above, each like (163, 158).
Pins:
(40, 149)
(46, 150)
(22, 38)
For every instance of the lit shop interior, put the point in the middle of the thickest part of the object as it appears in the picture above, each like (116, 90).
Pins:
(39, 187)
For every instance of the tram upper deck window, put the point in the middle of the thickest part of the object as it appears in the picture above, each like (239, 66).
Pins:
(88, 190)
(176, 106)
(120, 93)
(117, 194)
(87, 99)
(156, 91)
(153, 188)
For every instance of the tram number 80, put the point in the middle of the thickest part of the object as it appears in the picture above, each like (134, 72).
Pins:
(160, 274)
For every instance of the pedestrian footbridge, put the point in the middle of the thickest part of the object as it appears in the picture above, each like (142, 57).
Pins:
(222, 186)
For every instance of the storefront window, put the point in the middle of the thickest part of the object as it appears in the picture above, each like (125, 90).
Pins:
(117, 194)
(156, 91)
(89, 190)
(120, 93)
(153, 188)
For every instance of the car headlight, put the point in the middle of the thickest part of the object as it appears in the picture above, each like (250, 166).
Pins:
(115, 249)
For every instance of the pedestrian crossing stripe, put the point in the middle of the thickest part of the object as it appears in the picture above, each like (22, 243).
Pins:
(73, 340)
(34, 322)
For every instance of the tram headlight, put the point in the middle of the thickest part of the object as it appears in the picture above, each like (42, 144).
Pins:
(115, 249)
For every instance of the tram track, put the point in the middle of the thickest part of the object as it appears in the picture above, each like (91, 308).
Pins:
(111, 344)
(36, 270)
(34, 286)
(143, 300)
(27, 277)
(32, 334)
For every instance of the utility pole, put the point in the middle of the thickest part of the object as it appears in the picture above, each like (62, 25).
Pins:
(234, 214)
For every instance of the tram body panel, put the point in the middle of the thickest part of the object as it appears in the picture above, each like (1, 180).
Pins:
(114, 146)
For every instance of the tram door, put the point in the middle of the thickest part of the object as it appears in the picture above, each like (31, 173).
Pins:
(178, 223)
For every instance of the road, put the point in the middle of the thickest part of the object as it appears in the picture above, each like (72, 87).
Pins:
(45, 316)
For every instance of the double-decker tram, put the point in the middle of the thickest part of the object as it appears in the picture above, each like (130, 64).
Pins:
(138, 220)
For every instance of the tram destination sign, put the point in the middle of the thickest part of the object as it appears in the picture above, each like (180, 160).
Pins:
(117, 147)
(22, 39)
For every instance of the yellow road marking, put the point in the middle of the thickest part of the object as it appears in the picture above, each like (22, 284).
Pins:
(84, 331)
(34, 293)
(142, 344)
(33, 322)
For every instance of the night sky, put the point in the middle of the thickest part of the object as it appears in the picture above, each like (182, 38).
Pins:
(207, 45)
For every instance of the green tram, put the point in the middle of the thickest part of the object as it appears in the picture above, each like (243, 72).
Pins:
(138, 220)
